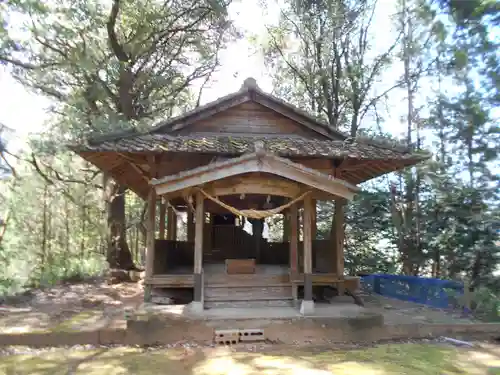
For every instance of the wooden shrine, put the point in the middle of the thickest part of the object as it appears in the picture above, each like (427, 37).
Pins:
(227, 166)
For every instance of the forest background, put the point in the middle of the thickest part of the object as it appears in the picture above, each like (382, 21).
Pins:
(423, 72)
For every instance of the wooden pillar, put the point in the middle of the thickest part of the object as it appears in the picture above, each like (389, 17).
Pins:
(172, 224)
(150, 242)
(163, 209)
(190, 226)
(198, 253)
(208, 232)
(314, 229)
(307, 306)
(338, 242)
(286, 226)
(294, 236)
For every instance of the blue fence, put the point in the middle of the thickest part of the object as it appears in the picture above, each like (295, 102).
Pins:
(431, 292)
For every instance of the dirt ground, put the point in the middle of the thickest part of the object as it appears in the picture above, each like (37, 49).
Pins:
(403, 312)
(391, 359)
(95, 305)
(84, 306)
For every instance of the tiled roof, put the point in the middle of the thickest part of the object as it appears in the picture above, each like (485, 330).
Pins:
(287, 146)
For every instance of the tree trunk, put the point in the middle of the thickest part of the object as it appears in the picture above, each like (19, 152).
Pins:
(118, 253)
(3, 225)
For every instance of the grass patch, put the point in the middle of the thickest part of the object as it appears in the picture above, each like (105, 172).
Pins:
(79, 321)
(382, 360)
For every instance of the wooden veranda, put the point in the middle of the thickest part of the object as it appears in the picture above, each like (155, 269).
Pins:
(242, 158)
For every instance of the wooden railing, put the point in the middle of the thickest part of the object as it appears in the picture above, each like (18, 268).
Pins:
(233, 243)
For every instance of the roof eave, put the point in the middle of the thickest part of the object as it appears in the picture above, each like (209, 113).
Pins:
(254, 162)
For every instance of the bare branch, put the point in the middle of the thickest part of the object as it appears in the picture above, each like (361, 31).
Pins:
(113, 38)
(27, 65)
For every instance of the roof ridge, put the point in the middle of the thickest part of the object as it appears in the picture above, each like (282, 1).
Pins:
(96, 137)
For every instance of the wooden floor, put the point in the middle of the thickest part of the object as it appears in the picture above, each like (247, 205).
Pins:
(215, 274)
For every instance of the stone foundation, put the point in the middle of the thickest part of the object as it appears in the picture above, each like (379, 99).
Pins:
(161, 330)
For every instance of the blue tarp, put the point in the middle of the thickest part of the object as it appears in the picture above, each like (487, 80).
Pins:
(432, 292)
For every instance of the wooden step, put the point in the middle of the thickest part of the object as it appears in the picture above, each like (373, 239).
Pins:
(249, 304)
(246, 279)
(249, 284)
(252, 293)
(172, 281)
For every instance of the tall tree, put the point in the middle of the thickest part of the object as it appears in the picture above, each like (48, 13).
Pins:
(465, 193)
(321, 58)
(112, 67)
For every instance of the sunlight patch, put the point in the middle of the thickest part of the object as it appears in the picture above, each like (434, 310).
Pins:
(286, 365)
(357, 368)
(223, 366)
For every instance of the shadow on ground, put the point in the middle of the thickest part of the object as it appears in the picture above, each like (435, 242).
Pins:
(385, 359)
(69, 307)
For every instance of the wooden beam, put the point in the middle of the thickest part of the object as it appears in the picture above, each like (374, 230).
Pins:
(339, 216)
(255, 163)
(150, 240)
(314, 228)
(190, 225)
(198, 250)
(318, 164)
(136, 168)
(294, 245)
(286, 226)
(198, 236)
(307, 223)
(307, 303)
(172, 224)
(294, 237)
(202, 174)
(309, 177)
(255, 184)
(163, 209)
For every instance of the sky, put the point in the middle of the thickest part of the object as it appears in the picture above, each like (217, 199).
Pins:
(26, 112)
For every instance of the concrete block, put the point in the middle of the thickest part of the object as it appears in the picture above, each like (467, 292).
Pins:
(252, 335)
(307, 308)
(196, 307)
(227, 336)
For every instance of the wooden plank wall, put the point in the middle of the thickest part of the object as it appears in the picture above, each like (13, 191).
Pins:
(181, 254)
(323, 257)
(173, 254)
(275, 253)
(249, 118)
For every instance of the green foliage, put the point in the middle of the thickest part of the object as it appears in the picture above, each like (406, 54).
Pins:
(484, 304)
(322, 59)
(71, 269)
(106, 67)
(441, 218)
